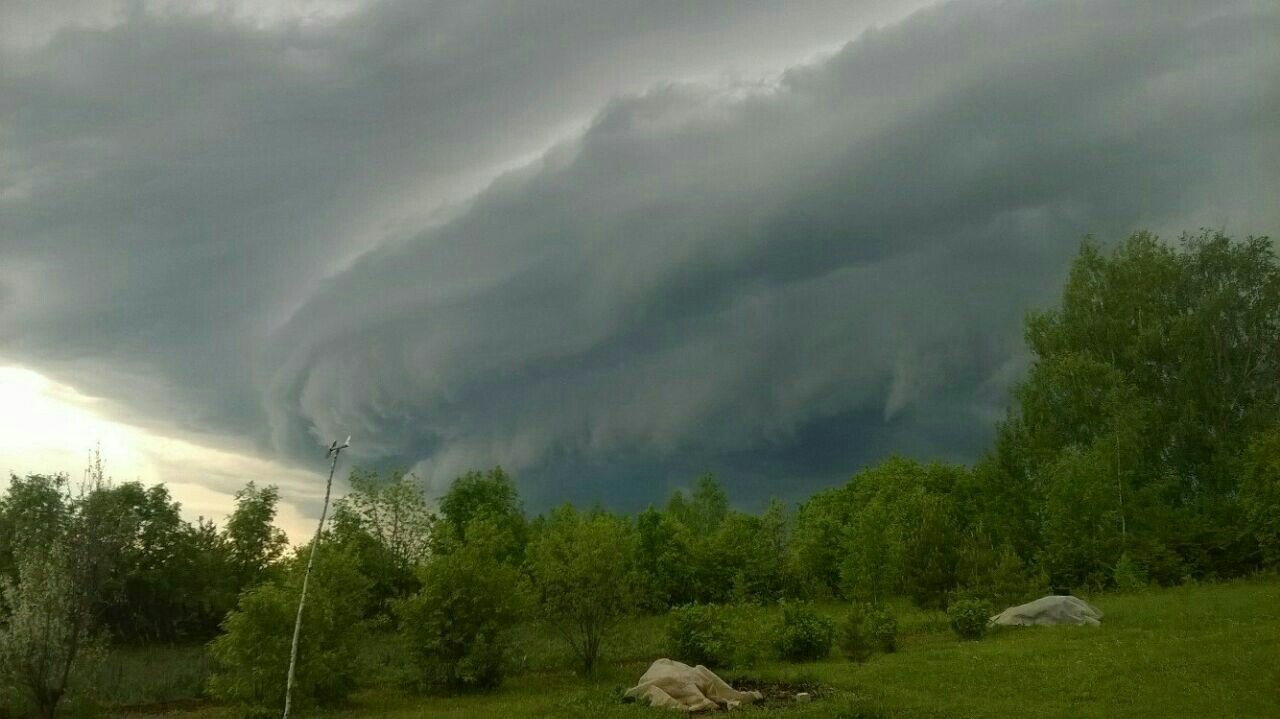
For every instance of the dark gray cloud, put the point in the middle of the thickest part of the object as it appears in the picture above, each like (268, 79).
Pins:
(174, 184)
(777, 279)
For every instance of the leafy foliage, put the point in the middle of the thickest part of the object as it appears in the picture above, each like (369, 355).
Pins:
(491, 495)
(699, 634)
(253, 542)
(1149, 384)
(969, 617)
(804, 634)
(854, 635)
(385, 524)
(581, 577)
(253, 652)
(1128, 576)
(48, 627)
(457, 627)
(661, 561)
(53, 599)
(883, 628)
(1260, 495)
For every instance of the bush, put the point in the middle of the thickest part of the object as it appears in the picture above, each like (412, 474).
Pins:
(253, 652)
(699, 634)
(1128, 575)
(1260, 495)
(456, 626)
(997, 574)
(804, 635)
(853, 637)
(969, 618)
(42, 636)
(883, 628)
(578, 564)
(865, 629)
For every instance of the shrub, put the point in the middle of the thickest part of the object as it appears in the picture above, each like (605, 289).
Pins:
(699, 634)
(1129, 576)
(456, 626)
(253, 652)
(853, 637)
(578, 566)
(969, 618)
(749, 646)
(804, 635)
(1013, 582)
(42, 636)
(865, 629)
(1260, 495)
(883, 628)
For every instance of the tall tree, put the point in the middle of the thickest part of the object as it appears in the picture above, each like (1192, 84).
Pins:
(1160, 365)
(252, 654)
(489, 495)
(386, 525)
(458, 626)
(61, 583)
(48, 626)
(580, 572)
(35, 509)
(253, 542)
(661, 561)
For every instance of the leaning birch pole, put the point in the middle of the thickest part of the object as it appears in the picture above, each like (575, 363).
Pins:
(334, 450)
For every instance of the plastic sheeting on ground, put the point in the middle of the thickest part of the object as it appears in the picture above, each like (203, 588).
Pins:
(673, 685)
(1048, 611)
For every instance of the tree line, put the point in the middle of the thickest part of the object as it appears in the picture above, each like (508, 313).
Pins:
(1142, 446)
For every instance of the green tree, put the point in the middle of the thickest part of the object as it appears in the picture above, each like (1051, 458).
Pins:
(660, 561)
(930, 551)
(392, 510)
(61, 582)
(871, 568)
(1161, 365)
(35, 509)
(701, 518)
(458, 625)
(706, 508)
(155, 580)
(753, 553)
(48, 627)
(902, 531)
(818, 540)
(578, 564)
(385, 524)
(1082, 521)
(1260, 495)
(253, 542)
(803, 635)
(491, 495)
(252, 654)
(209, 596)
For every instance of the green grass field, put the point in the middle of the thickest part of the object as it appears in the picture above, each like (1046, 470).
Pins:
(1194, 651)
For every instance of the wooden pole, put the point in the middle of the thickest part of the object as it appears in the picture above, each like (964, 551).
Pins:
(334, 449)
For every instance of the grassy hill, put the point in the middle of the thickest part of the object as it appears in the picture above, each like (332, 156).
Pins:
(1194, 651)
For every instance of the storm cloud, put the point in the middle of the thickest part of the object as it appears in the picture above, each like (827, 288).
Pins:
(706, 247)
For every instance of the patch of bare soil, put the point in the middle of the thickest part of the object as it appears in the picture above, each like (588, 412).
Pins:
(778, 694)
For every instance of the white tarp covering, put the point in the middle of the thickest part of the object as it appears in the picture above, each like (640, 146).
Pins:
(1049, 610)
(673, 685)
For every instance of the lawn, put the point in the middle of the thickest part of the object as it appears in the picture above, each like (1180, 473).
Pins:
(1197, 651)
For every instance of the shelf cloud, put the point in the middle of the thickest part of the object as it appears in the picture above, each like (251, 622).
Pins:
(606, 245)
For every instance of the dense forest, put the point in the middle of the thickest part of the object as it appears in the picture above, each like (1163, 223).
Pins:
(1141, 447)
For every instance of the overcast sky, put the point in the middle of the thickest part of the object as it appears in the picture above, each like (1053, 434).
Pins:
(608, 245)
